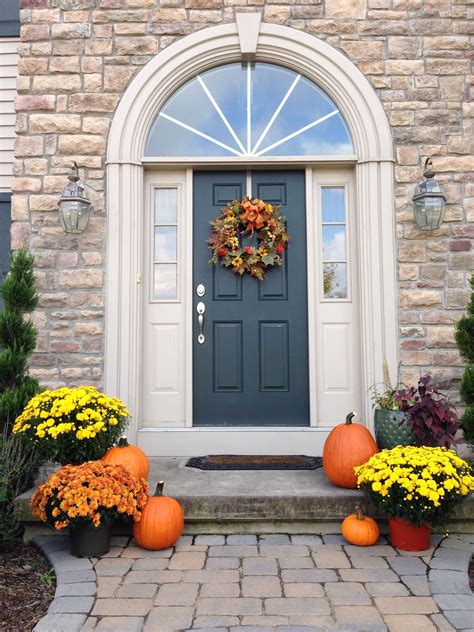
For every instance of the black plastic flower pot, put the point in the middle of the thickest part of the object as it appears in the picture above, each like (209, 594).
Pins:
(89, 541)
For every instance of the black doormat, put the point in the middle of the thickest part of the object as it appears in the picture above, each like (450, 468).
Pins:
(255, 462)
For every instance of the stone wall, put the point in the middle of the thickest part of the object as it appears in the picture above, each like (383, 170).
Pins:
(77, 57)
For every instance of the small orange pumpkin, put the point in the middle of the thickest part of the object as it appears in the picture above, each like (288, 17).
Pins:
(130, 456)
(347, 446)
(359, 529)
(162, 522)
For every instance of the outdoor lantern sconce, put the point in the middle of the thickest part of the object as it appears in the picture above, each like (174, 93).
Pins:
(74, 205)
(428, 200)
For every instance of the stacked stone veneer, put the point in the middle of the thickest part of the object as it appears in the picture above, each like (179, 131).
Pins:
(77, 58)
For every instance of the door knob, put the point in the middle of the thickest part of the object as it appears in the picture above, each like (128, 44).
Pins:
(201, 308)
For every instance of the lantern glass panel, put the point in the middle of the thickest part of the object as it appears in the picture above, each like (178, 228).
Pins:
(75, 215)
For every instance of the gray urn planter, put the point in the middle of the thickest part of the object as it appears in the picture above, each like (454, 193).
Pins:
(392, 429)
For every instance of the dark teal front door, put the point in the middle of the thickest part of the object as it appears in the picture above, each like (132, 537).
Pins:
(252, 369)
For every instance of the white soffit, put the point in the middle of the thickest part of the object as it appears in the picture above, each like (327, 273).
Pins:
(248, 27)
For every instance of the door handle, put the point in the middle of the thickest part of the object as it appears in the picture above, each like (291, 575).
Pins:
(201, 308)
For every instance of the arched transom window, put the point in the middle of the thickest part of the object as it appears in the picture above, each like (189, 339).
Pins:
(251, 109)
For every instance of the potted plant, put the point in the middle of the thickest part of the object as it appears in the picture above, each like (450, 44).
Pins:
(73, 425)
(432, 417)
(417, 488)
(391, 425)
(87, 498)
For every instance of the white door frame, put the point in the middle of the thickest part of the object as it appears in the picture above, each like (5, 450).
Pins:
(374, 202)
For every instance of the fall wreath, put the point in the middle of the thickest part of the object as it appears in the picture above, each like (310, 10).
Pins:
(265, 229)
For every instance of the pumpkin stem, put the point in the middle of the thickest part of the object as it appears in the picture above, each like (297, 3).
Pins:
(360, 514)
(159, 489)
(349, 417)
(123, 443)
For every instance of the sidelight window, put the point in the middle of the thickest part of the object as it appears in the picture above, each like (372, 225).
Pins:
(250, 109)
(334, 242)
(165, 245)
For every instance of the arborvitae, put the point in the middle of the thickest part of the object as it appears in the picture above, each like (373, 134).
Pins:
(465, 341)
(17, 338)
(18, 458)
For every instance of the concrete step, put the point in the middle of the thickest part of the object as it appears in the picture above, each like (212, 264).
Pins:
(276, 501)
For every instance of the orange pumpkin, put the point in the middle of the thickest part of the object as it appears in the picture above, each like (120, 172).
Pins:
(162, 522)
(347, 445)
(132, 458)
(360, 530)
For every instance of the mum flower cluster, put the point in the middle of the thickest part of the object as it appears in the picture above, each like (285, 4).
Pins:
(248, 218)
(90, 493)
(73, 425)
(419, 484)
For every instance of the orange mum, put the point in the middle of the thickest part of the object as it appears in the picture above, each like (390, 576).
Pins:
(92, 492)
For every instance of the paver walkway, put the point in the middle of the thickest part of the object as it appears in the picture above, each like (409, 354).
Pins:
(274, 582)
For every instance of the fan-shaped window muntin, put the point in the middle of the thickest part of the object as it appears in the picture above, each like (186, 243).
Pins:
(249, 110)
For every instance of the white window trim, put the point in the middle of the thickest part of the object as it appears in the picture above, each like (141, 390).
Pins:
(370, 132)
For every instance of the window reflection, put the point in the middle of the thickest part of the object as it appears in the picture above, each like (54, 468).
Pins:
(334, 249)
(165, 245)
(249, 110)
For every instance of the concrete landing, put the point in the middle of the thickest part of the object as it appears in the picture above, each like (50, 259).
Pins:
(257, 502)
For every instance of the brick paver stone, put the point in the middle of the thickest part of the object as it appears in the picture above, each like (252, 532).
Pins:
(137, 591)
(222, 563)
(83, 589)
(210, 576)
(233, 551)
(153, 577)
(169, 618)
(364, 575)
(187, 561)
(283, 550)
(347, 594)
(456, 602)
(303, 590)
(214, 622)
(357, 617)
(309, 575)
(220, 590)
(409, 623)
(418, 584)
(241, 539)
(456, 582)
(229, 606)
(406, 605)
(106, 586)
(296, 562)
(61, 622)
(380, 550)
(261, 586)
(297, 606)
(259, 566)
(210, 540)
(120, 624)
(136, 552)
(331, 559)
(369, 562)
(112, 566)
(310, 540)
(71, 605)
(386, 589)
(121, 607)
(408, 565)
(177, 595)
(150, 564)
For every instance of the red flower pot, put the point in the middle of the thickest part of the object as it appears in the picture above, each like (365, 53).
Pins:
(406, 536)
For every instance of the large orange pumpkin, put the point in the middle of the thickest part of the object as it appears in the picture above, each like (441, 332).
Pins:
(162, 522)
(360, 530)
(347, 445)
(132, 458)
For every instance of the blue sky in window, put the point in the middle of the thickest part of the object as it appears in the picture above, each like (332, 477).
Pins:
(208, 116)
